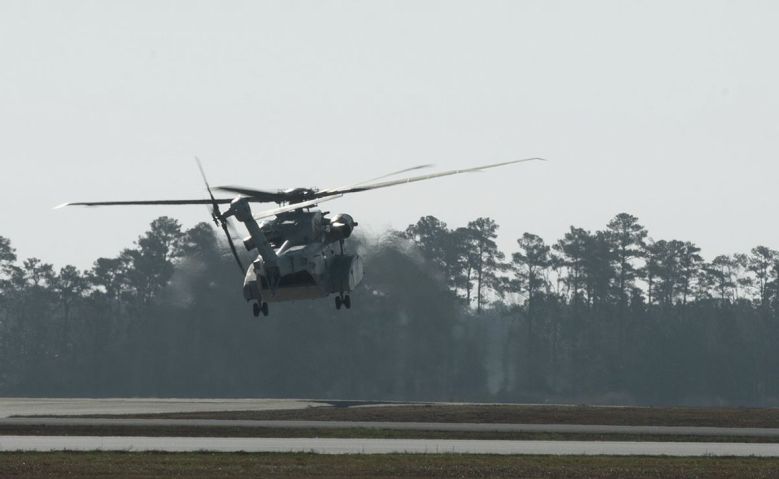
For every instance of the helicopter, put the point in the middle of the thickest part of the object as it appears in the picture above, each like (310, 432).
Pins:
(299, 249)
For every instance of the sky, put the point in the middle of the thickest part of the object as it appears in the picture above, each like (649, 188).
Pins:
(667, 110)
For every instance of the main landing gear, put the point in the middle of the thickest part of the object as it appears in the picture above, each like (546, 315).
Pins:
(343, 300)
(257, 309)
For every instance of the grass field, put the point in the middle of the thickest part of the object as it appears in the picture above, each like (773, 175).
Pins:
(517, 414)
(223, 465)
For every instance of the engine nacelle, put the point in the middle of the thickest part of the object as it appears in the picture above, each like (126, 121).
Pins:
(341, 227)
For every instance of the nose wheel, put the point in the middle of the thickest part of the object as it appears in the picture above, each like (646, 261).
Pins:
(343, 300)
(257, 309)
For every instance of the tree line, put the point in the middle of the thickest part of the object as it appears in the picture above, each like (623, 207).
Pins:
(443, 314)
(620, 265)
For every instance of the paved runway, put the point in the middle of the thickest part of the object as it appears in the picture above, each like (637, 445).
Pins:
(78, 406)
(381, 446)
(402, 426)
(84, 406)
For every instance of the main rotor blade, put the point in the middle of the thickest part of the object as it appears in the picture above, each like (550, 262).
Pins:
(402, 181)
(404, 170)
(281, 196)
(352, 185)
(222, 201)
(261, 196)
(294, 206)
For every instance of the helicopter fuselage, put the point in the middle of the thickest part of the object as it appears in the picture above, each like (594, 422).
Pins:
(308, 260)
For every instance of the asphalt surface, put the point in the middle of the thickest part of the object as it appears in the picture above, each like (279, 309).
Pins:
(401, 426)
(381, 446)
(86, 406)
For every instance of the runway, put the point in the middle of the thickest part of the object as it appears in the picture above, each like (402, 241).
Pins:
(399, 426)
(92, 406)
(382, 446)
(78, 406)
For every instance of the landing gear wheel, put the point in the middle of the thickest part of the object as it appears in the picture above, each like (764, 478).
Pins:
(256, 309)
(264, 309)
(338, 302)
(348, 301)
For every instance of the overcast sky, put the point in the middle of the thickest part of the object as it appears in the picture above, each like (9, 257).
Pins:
(667, 110)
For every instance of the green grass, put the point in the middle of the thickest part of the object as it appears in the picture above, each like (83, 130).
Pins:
(226, 465)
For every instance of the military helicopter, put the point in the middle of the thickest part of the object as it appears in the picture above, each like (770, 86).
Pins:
(299, 249)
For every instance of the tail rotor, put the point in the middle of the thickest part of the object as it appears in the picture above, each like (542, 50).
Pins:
(219, 219)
